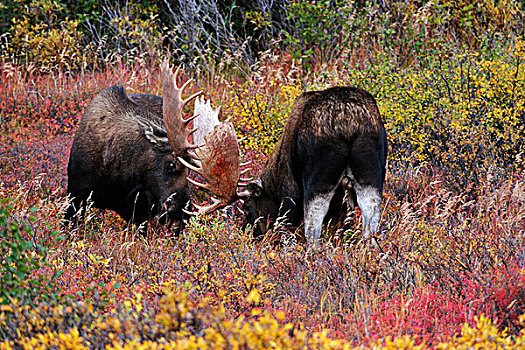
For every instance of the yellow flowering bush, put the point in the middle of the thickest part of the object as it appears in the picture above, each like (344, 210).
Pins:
(260, 114)
(203, 327)
(52, 340)
(179, 324)
(484, 335)
(39, 36)
(465, 120)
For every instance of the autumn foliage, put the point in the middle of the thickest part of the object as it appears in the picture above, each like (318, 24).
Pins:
(447, 269)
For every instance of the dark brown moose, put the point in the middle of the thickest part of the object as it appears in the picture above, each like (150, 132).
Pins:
(125, 154)
(331, 156)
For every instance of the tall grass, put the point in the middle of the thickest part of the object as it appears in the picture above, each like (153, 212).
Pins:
(447, 267)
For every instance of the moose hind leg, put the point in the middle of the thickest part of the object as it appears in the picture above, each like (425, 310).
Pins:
(367, 166)
(315, 210)
(369, 201)
(324, 167)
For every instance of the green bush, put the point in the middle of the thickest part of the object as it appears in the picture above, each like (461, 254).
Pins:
(20, 258)
(318, 34)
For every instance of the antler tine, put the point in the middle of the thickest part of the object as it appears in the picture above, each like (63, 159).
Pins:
(167, 64)
(243, 195)
(245, 171)
(189, 119)
(189, 165)
(198, 93)
(177, 127)
(185, 84)
(198, 184)
(193, 156)
(206, 209)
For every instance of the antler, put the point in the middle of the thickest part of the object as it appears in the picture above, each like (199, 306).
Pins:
(206, 119)
(219, 159)
(177, 127)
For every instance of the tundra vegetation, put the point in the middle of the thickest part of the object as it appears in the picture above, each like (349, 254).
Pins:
(448, 268)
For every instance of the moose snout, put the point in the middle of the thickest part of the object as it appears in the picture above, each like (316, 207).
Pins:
(175, 202)
(170, 202)
(173, 213)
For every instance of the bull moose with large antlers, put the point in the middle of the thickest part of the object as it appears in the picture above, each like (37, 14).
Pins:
(124, 154)
(333, 150)
(131, 154)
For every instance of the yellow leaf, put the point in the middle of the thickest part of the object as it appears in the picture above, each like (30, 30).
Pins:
(254, 297)
(6, 308)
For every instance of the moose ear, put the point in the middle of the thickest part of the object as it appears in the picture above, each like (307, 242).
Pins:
(255, 188)
(153, 133)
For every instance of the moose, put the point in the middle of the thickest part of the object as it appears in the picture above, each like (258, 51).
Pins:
(125, 154)
(132, 153)
(330, 157)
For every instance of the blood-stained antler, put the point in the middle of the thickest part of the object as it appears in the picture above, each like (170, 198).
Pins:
(177, 127)
(219, 159)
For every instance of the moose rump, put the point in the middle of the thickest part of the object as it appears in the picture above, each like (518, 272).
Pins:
(333, 144)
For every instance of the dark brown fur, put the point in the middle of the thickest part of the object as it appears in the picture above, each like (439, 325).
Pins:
(330, 135)
(121, 159)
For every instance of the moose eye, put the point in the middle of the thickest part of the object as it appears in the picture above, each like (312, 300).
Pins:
(171, 167)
